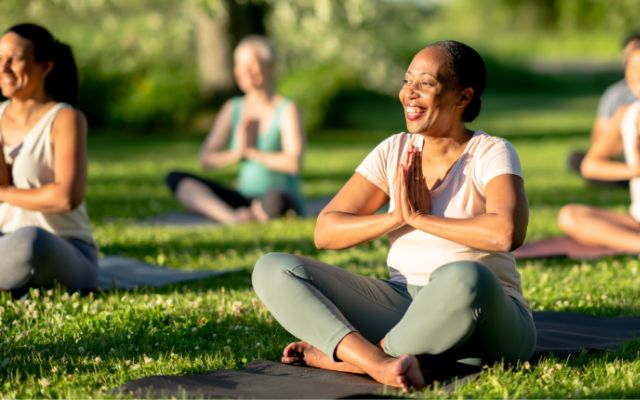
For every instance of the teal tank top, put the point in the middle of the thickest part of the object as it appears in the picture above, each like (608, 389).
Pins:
(254, 179)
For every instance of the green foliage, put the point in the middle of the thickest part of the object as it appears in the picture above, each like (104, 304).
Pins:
(315, 88)
(137, 59)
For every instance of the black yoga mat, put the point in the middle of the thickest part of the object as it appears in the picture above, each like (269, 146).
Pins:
(559, 333)
(563, 246)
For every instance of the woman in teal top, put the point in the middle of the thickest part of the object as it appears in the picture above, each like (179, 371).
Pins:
(264, 134)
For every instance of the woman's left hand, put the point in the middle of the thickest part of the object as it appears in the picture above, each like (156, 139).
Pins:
(414, 195)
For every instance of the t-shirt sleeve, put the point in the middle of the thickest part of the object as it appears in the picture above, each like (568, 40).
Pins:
(500, 159)
(374, 165)
(613, 98)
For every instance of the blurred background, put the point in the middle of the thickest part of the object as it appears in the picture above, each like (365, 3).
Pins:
(165, 65)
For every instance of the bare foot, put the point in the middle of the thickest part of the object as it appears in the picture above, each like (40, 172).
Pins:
(302, 353)
(242, 215)
(403, 372)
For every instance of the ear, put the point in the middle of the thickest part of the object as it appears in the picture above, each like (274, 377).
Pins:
(465, 97)
(47, 66)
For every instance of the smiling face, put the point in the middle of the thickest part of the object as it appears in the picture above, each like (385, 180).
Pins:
(429, 94)
(21, 75)
(250, 73)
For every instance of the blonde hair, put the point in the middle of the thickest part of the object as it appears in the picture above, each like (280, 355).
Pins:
(265, 51)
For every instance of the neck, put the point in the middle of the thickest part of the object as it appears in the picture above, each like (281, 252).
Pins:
(261, 95)
(23, 108)
(439, 145)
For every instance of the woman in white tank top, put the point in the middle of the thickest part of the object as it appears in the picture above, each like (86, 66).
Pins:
(44, 229)
(601, 227)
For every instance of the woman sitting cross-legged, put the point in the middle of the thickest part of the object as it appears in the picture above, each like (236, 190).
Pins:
(264, 135)
(457, 207)
(598, 226)
(45, 236)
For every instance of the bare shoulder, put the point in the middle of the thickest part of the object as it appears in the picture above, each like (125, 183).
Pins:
(69, 121)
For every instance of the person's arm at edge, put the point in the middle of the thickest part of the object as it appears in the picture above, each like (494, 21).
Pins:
(66, 192)
(501, 228)
(289, 160)
(213, 154)
(597, 163)
(349, 218)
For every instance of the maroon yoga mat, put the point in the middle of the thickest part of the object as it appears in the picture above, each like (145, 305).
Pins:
(563, 246)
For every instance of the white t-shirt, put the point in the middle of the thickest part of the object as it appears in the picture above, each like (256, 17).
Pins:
(414, 254)
(629, 131)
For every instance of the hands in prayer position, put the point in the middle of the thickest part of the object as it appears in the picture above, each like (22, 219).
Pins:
(412, 195)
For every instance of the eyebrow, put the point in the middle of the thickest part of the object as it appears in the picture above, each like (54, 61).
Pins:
(409, 72)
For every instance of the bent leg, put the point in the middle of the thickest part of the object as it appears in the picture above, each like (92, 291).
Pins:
(463, 312)
(599, 227)
(209, 198)
(35, 257)
(321, 304)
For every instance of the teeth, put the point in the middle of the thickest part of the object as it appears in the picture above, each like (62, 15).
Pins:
(414, 110)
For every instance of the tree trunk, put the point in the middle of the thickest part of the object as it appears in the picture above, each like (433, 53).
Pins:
(214, 54)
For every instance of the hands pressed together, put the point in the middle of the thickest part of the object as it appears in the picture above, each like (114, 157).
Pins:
(412, 196)
(247, 137)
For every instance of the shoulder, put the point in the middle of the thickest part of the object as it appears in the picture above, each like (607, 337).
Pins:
(69, 114)
(288, 105)
(69, 120)
(483, 143)
(617, 93)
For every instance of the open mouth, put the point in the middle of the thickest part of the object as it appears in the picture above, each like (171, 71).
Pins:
(413, 112)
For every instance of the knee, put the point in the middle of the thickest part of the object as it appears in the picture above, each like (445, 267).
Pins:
(467, 283)
(569, 217)
(173, 179)
(270, 268)
(276, 203)
(30, 244)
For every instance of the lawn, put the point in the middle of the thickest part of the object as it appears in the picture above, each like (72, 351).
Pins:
(59, 345)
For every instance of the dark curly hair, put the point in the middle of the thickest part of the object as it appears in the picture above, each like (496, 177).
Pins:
(468, 68)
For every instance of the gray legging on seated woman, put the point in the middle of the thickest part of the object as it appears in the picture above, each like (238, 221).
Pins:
(463, 313)
(32, 256)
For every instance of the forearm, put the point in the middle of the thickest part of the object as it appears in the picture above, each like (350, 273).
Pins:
(339, 230)
(50, 198)
(276, 161)
(489, 232)
(609, 170)
(219, 159)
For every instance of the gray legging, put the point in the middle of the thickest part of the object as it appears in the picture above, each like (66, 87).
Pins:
(463, 313)
(32, 256)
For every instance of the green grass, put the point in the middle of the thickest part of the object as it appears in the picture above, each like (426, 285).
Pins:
(60, 345)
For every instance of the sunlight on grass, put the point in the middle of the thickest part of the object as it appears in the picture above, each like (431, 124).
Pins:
(60, 345)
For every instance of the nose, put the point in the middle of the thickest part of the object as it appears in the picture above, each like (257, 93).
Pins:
(411, 91)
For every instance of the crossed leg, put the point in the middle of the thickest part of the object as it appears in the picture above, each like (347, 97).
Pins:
(600, 227)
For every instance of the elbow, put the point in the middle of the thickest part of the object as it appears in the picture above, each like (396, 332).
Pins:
(67, 203)
(203, 161)
(587, 168)
(505, 241)
(320, 240)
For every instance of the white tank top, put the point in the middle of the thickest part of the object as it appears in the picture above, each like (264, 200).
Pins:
(630, 142)
(32, 161)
